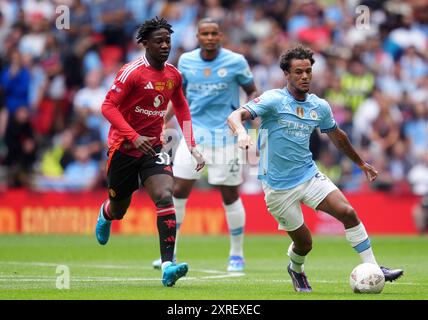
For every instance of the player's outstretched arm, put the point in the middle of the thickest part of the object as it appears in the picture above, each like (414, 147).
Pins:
(235, 122)
(341, 141)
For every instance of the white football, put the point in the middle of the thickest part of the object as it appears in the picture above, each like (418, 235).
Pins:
(367, 278)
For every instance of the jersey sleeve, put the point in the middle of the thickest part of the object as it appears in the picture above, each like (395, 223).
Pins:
(182, 112)
(244, 74)
(122, 85)
(327, 122)
(259, 106)
(114, 98)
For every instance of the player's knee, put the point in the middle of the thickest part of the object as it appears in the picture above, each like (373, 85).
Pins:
(164, 199)
(181, 192)
(348, 216)
(229, 199)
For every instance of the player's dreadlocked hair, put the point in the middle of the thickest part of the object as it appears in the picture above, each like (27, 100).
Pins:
(151, 25)
(298, 52)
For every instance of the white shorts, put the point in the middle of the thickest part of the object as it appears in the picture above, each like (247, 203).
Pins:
(224, 164)
(284, 205)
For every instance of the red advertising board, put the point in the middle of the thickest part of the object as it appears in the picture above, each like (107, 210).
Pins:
(24, 212)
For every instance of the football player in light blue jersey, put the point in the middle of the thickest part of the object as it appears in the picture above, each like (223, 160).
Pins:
(212, 76)
(288, 173)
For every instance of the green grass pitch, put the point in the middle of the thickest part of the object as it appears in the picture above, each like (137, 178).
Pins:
(122, 269)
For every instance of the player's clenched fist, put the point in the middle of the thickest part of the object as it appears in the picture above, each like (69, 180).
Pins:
(244, 140)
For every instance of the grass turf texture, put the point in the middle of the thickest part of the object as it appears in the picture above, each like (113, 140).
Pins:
(122, 269)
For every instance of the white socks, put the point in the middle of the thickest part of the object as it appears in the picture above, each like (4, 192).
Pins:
(165, 265)
(360, 241)
(180, 209)
(296, 260)
(235, 217)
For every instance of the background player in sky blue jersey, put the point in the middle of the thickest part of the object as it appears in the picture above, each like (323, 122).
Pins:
(288, 173)
(212, 76)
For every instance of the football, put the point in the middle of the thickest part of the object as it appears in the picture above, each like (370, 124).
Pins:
(367, 278)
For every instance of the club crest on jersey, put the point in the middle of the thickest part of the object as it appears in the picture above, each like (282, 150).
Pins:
(112, 193)
(159, 99)
(300, 112)
(169, 84)
(207, 72)
(313, 114)
(222, 72)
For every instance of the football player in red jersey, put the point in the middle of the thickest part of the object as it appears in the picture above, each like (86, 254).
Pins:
(135, 106)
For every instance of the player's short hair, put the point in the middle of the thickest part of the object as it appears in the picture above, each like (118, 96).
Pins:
(208, 20)
(151, 25)
(299, 52)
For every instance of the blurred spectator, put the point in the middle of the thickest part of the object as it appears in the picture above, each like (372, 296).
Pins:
(15, 81)
(54, 160)
(369, 111)
(357, 83)
(327, 163)
(33, 42)
(87, 103)
(267, 74)
(21, 145)
(399, 165)
(87, 136)
(416, 130)
(82, 174)
(109, 18)
(408, 34)
(413, 68)
(420, 215)
(418, 177)
(385, 130)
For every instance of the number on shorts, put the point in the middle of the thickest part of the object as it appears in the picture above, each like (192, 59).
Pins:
(163, 158)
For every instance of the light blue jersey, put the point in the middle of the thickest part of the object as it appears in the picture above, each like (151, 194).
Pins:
(285, 129)
(212, 90)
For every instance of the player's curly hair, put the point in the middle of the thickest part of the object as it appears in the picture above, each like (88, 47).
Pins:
(298, 52)
(151, 25)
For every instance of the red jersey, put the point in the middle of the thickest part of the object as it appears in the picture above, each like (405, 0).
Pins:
(136, 105)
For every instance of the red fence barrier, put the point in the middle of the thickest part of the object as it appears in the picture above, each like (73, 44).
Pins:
(76, 213)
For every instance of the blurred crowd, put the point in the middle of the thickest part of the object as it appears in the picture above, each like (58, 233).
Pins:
(373, 70)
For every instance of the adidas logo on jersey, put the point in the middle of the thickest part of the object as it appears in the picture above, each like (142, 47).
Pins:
(149, 86)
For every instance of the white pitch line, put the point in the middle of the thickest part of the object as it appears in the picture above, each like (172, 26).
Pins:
(97, 266)
(22, 278)
(221, 274)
